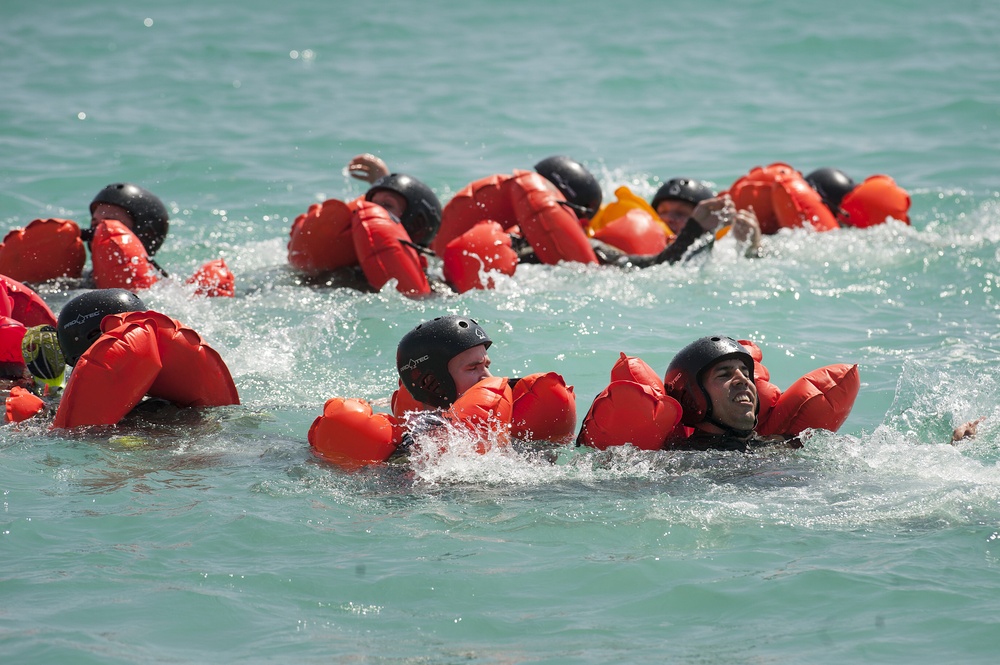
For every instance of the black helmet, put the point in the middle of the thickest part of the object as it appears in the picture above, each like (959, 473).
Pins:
(682, 189)
(423, 355)
(576, 183)
(422, 216)
(79, 323)
(149, 215)
(686, 371)
(832, 185)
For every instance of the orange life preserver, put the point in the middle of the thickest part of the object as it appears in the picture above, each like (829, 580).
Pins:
(351, 436)
(872, 202)
(526, 200)
(781, 198)
(635, 233)
(625, 203)
(403, 402)
(23, 304)
(22, 404)
(119, 258)
(11, 336)
(767, 392)
(484, 248)
(484, 409)
(143, 353)
(214, 280)
(321, 239)
(822, 399)
(544, 408)
(377, 242)
(45, 249)
(551, 228)
(485, 199)
(633, 409)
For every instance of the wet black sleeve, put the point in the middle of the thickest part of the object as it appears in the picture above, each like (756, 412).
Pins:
(673, 253)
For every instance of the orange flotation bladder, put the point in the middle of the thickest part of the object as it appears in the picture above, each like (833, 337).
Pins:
(11, 336)
(634, 233)
(143, 353)
(633, 409)
(351, 436)
(321, 239)
(46, 249)
(383, 249)
(874, 201)
(484, 248)
(781, 198)
(120, 260)
(551, 228)
(627, 202)
(544, 409)
(488, 198)
(214, 280)
(485, 409)
(403, 402)
(822, 399)
(25, 305)
(22, 404)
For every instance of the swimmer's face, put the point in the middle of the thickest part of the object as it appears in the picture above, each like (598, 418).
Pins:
(110, 211)
(733, 394)
(469, 368)
(394, 203)
(675, 214)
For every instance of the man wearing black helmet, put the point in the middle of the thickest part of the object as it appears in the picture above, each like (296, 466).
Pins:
(713, 379)
(441, 359)
(407, 199)
(579, 187)
(141, 211)
(832, 185)
(121, 353)
(676, 201)
(143, 214)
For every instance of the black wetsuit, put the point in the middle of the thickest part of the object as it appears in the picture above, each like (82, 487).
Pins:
(609, 255)
(732, 441)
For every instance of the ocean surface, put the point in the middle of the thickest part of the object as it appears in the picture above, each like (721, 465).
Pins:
(215, 537)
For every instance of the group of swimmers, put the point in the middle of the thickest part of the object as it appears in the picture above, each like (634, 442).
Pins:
(557, 213)
(709, 397)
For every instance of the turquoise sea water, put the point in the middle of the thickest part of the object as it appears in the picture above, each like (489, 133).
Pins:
(216, 537)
